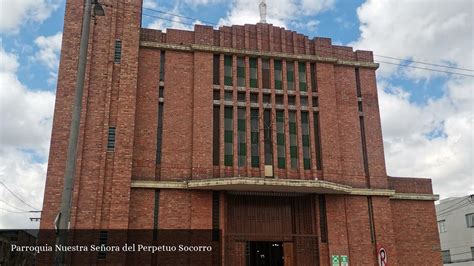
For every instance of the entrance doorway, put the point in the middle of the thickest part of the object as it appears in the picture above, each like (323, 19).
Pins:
(264, 253)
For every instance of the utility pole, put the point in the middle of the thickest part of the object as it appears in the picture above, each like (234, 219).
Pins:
(64, 215)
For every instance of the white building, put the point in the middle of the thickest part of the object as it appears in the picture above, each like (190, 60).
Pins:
(456, 230)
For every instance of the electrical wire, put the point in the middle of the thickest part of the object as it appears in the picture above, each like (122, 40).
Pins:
(424, 68)
(12, 206)
(13, 211)
(16, 196)
(424, 63)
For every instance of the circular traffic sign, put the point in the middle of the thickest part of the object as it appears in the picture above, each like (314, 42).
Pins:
(382, 257)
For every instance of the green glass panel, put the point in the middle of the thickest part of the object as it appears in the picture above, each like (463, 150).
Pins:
(253, 62)
(228, 60)
(228, 112)
(294, 152)
(240, 72)
(304, 117)
(241, 124)
(255, 161)
(278, 84)
(228, 81)
(228, 136)
(242, 149)
(280, 139)
(278, 65)
(254, 137)
(292, 128)
(290, 76)
(279, 116)
(306, 140)
(228, 160)
(302, 67)
(281, 162)
(307, 163)
(303, 86)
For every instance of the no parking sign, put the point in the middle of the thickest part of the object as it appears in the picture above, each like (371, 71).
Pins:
(382, 257)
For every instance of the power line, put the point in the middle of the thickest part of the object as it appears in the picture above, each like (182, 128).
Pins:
(430, 69)
(457, 208)
(12, 206)
(20, 199)
(424, 63)
(13, 211)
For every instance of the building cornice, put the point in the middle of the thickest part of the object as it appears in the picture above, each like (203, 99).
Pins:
(278, 185)
(246, 52)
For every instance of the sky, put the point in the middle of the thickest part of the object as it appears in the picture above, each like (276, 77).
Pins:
(427, 116)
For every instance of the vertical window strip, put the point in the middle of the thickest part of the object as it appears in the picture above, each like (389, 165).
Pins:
(228, 136)
(103, 239)
(293, 140)
(306, 140)
(216, 129)
(323, 224)
(317, 139)
(265, 73)
(216, 69)
(314, 85)
(280, 127)
(159, 133)
(162, 66)
(241, 135)
(362, 128)
(118, 51)
(254, 137)
(302, 76)
(111, 139)
(267, 120)
(359, 92)
(371, 219)
(155, 214)
(241, 71)
(253, 73)
(290, 75)
(228, 70)
(278, 74)
(215, 216)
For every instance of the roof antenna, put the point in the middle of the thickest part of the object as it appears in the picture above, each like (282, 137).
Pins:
(263, 11)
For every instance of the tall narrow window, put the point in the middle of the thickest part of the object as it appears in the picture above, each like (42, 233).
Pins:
(118, 51)
(253, 73)
(215, 136)
(228, 70)
(446, 254)
(215, 215)
(162, 66)
(155, 214)
(278, 75)
(302, 76)
(228, 136)
(293, 140)
(240, 71)
(254, 137)
(111, 139)
(317, 139)
(267, 120)
(280, 127)
(306, 140)
(265, 73)
(290, 75)
(216, 69)
(103, 238)
(241, 135)
(314, 86)
(159, 133)
(323, 224)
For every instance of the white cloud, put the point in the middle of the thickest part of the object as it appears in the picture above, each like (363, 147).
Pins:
(48, 53)
(15, 13)
(24, 142)
(433, 139)
(150, 4)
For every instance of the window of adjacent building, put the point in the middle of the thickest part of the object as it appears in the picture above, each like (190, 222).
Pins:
(302, 76)
(472, 253)
(228, 136)
(216, 136)
(291, 100)
(446, 256)
(280, 127)
(267, 134)
(290, 75)
(162, 66)
(216, 69)
(278, 75)
(306, 140)
(254, 137)
(470, 220)
(241, 96)
(111, 139)
(228, 96)
(240, 71)
(241, 136)
(118, 51)
(304, 101)
(442, 226)
(279, 99)
(314, 85)
(228, 70)
(265, 73)
(254, 97)
(293, 139)
(253, 73)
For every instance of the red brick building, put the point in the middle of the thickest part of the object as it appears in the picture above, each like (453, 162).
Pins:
(270, 136)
